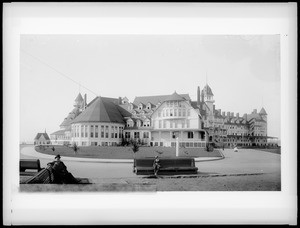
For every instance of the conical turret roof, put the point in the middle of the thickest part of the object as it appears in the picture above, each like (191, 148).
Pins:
(79, 98)
(207, 90)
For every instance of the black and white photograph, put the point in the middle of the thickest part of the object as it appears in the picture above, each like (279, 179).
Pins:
(121, 111)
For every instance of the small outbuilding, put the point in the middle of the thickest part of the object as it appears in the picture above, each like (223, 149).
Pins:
(42, 139)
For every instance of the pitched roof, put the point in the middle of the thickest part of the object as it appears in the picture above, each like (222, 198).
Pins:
(71, 116)
(175, 97)
(42, 134)
(263, 112)
(59, 132)
(102, 109)
(255, 116)
(155, 99)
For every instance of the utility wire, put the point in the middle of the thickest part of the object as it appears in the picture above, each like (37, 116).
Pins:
(57, 71)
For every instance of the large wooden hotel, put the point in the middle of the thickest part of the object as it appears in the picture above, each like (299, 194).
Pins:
(158, 121)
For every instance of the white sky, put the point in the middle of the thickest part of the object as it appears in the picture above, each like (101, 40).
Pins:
(243, 72)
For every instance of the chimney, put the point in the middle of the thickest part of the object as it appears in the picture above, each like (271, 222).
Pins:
(245, 116)
(228, 114)
(237, 115)
(214, 107)
(219, 111)
(198, 96)
(120, 100)
(232, 114)
(223, 113)
(85, 102)
(254, 111)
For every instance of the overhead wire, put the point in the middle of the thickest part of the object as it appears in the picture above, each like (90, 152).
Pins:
(57, 71)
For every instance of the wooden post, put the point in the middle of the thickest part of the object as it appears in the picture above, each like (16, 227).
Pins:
(177, 147)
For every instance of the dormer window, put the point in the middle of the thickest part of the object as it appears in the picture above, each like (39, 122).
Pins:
(129, 123)
(146, 123)
(149, 106)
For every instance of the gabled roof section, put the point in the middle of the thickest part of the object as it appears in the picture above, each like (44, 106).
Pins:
(263, 112)
(42, 134)
(155, 99)
(103, 109)
(175, 97)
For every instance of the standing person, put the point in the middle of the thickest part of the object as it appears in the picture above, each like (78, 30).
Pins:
(156, 165)
(61, 174)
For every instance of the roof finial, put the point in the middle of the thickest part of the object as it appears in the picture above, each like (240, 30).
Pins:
(45, 130)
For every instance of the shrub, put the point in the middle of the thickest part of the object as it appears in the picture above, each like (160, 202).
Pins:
(135, 147)
(75, 147)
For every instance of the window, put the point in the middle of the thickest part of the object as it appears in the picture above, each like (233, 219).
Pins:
(176, 124)
(136, 135)
(171, 124)
(190, 134)
(164, 124)
(171, 112)
(159, 124)
(183, 112)
(86, 131)
(106, 131)
(112, 132)
(167, 112)
(96, 131)
(92, 131)
(120, 132)
(116, 132)
(179, 112)
(82, 129)
(127, 135)
(175, 112)
(188, 112)
(102, 131)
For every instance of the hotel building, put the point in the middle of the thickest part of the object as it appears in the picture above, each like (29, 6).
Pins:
(158, 121)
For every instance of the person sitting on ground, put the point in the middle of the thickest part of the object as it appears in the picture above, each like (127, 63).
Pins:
(156, 165)
(60, 172)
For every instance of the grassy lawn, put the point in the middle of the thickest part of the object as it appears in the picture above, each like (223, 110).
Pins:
(114, 152)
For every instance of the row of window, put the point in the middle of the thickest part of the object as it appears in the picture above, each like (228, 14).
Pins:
(92, 131)
(99, 144)
(174, 123)
(136, 135)
(139, 123)
(174, 112)
(181, 144)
